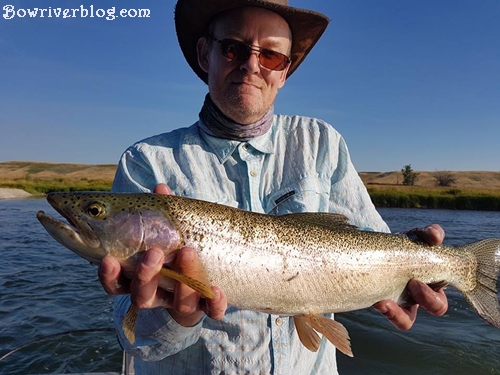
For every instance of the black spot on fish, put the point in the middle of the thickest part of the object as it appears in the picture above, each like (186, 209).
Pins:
(293, 277)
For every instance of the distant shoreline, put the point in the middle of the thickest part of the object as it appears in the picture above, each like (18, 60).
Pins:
(10, 193)
(19, 174)
(472, 190)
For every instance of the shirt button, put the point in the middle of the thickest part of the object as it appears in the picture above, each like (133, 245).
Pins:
(278, 321)
(253, 173)
(245, 147)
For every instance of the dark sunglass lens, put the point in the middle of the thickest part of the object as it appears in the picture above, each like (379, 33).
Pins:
(227, 49)
(242, 50)
(233, 49)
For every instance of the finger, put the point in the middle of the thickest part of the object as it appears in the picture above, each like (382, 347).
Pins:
(186, 299)
(402, 318)
(109, 273)
(436, 303)
(432, 234)
(143, 288)
(162, 189)
(216, 307)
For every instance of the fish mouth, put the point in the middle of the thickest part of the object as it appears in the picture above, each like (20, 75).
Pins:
(81, 241)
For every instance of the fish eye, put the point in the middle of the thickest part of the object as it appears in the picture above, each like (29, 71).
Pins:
(95, 209)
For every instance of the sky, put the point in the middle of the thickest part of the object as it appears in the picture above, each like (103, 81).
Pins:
(405, 82)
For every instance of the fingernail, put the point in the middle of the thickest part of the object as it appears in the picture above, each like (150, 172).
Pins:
(382, 309)
(414, 287)
(188, 254)
(106, 267)
(216, 294)
(152, 258)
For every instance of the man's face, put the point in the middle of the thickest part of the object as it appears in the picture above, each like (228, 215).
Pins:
(244, 91)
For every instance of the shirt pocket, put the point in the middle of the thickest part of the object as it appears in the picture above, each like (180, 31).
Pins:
(310, 194)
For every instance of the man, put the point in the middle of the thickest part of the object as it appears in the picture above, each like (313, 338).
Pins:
(241, 154)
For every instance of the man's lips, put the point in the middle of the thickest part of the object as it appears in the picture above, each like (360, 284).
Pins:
(247, 83)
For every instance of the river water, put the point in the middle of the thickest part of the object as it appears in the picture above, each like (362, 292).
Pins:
(54, 312)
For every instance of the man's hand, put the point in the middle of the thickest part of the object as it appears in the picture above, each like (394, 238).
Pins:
(184, 304)
(435, 303)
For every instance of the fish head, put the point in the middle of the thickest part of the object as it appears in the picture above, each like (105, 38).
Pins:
(98, 224)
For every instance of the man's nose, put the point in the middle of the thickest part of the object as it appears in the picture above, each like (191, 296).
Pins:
(251, 65)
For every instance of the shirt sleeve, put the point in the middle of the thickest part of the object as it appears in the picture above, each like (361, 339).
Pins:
(349, 196)
(158, 335)
(134, 173)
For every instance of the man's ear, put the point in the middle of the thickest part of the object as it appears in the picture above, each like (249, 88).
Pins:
(203, 53)
(283, 77)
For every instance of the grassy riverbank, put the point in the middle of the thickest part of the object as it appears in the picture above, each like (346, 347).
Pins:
(40, 187)
(446, 197)
(41, 178)
(473, 190)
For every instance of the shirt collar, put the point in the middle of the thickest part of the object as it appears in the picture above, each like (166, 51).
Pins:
(224, 148)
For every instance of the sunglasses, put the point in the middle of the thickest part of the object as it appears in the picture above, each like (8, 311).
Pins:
(236, 50)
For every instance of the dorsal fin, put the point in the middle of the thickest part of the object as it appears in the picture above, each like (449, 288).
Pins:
(326, 219)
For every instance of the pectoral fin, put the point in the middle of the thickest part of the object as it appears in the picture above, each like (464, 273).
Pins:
(202, 287)
(129, 323)
(334, 331)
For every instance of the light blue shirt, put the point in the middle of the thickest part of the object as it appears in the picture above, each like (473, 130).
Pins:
(300, 165)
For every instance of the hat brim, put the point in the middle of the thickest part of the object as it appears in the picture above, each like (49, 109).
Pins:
(192, 18)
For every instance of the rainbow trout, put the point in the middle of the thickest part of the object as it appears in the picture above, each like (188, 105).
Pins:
(300, 265)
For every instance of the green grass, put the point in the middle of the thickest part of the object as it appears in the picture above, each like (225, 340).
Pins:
(39, 186)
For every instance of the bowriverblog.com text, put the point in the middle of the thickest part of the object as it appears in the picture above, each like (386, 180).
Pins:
(10, 12)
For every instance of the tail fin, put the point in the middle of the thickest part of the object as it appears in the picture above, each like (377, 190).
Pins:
(484, 297)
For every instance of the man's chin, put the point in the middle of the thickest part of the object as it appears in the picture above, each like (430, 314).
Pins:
(244, 114)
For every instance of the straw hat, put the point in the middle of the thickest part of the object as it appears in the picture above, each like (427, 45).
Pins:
(192, 18)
